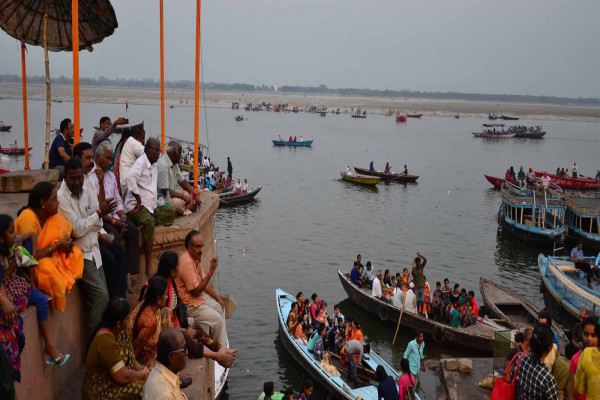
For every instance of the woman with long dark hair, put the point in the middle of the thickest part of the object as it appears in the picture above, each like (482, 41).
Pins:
(112, 371)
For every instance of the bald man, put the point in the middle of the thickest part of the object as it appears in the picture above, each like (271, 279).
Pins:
(170, 180)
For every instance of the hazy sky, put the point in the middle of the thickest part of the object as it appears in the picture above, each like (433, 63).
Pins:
(542, 47)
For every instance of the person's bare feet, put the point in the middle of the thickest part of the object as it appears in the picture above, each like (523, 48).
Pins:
(52, 352)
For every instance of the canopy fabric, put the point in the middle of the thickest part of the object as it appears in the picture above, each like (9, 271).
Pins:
(24, 20)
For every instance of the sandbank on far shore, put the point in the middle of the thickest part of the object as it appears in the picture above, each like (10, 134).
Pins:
(373, 105)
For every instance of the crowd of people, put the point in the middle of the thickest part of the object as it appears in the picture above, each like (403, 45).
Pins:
(332, 335)
(547, 371)
(86, 229)
(410, 290)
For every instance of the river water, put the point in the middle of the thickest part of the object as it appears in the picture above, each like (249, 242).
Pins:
(307, 223)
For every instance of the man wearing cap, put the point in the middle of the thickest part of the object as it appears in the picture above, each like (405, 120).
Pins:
(376, 290)
(410, 299)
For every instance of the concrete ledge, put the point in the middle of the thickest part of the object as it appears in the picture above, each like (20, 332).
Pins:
(42, 381)
(24, 181)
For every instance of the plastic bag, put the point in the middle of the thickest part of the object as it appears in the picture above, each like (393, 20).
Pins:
(23, 258)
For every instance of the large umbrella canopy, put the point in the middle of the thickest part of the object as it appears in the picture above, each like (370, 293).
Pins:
(24, 20)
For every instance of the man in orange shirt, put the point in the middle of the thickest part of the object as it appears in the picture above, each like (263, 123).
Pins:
(472, 318)
(192, 284)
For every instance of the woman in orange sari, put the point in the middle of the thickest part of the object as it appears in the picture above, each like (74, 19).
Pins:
(60, 263)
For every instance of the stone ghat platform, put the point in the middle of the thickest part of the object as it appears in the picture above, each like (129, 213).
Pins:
(459, 385)
(40, 381)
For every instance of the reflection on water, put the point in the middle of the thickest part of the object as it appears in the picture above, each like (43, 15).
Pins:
(305, 224)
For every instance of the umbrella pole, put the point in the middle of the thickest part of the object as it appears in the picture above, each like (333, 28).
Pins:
(25, 126)
(48, 95)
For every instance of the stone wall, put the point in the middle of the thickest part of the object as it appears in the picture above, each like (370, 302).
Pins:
(40, 381)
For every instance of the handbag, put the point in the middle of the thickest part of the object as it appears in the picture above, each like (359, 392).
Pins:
(504, 389)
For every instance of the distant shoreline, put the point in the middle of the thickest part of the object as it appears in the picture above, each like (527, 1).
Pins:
(373, 105)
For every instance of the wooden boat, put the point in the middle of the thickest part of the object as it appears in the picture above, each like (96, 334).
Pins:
(388, 177)
(582, 219)
(13, 151)
(231, 198)
(507, 118)
(572, 183)
(533, 216)
(400, 116)
(530, 135)
(306, 143)
(367, 387)
(477, 337)
(323, 113)
(457, 116)
(518, 312)
(565, 289)
(239, 118)
(359, 114)
(496, 182)
(5, 128)
(493, 133)
(414, 115)
(361, 179)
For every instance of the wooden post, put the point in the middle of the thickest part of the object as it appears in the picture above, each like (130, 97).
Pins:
(162, 80)
(75, 34)
(554, 213)
(25, 123)
(197, 94)
(521, 215)
(48, 93)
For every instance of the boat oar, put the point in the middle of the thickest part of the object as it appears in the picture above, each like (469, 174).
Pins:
(403, 305)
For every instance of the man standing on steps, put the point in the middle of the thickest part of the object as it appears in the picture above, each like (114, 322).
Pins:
(417, 272)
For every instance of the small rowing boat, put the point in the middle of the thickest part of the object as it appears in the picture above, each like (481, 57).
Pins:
(414, 115)
(513, 308)
(572, 183)
(306, 143)
(477, 337)
(231, 198)
(13, 151)
(388, 177)
(507, 118)
(401, 116)
(360, 179)
(5, 128)
(367, 387)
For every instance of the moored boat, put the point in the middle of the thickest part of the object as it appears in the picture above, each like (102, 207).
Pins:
(495, 181)
(5, 128)
(305, 143)
(414, 115)
(532, 215)
(507, 118)
(360, 179)
(582, 219)
(495, 131)
(388, 177)
(477, 337)
(232, 198)
(572, 183)
(13, 151)
(239, 118)
(367, 387)
(359, 114)
(400, 116)
(517, 311)
(565, 291)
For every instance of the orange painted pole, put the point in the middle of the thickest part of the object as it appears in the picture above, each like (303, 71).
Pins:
(25, 124)
(162, 80)
(197, 95)
(75, 34)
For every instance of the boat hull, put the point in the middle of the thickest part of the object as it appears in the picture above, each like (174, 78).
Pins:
(13, 151)
(414, 115)
(400, 118)
(494, 135)
(572, 183)
(507, 118)
(281, 143)
(361, 179)
(441, 333)
(388, 177)
(538, 135)
(230, 199)
(496, 182)
(5, 128)
(532, 234)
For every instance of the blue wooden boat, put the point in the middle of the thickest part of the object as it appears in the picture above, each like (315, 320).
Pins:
(306, 143)
(333, 384)
(565, 289)
(582, 219)
(534, 215)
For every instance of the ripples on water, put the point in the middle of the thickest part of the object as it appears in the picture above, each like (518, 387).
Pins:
(307, 223)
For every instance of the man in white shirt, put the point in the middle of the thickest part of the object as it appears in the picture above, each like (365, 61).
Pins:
(116, 223)
(410, 299)
(140, 201)
(376, 290)
(80, 207)
(397, 298)
(132, 150)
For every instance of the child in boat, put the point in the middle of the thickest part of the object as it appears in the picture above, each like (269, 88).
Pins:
(299, 333)
(466, 312)
(322, 317)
